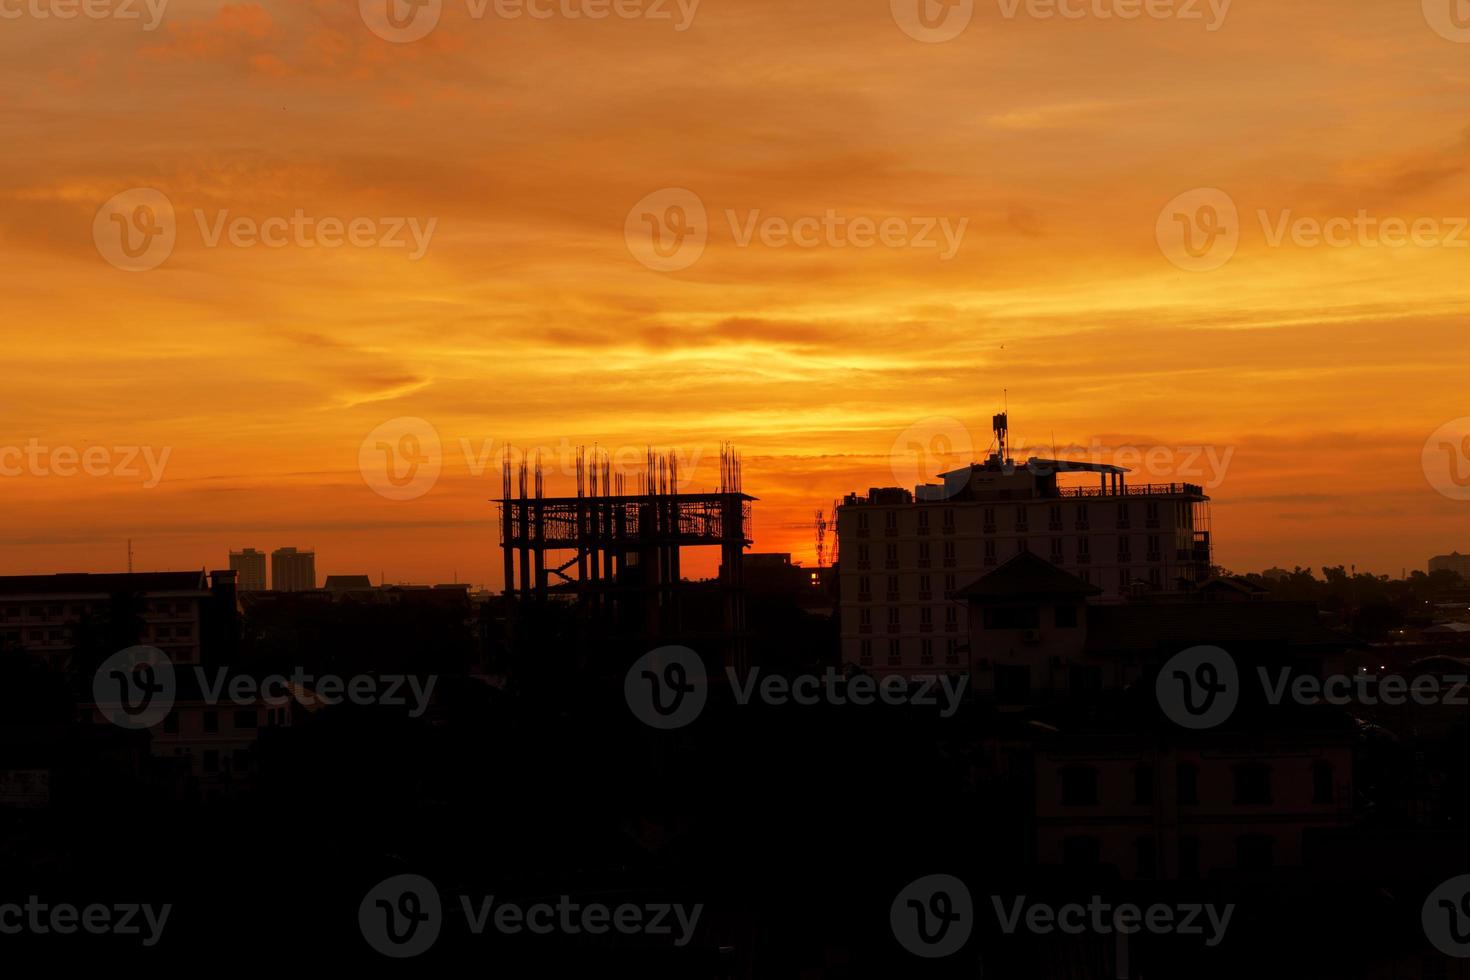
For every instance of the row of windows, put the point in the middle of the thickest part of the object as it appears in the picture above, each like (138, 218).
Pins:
(242, 720)
(1253, 852)
(1154, 550)
(61, 637)
(1252, 784)
(1021, 517)
(893, 654)
(55, 611)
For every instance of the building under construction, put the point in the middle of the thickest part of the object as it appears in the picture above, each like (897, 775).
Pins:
(617, 555)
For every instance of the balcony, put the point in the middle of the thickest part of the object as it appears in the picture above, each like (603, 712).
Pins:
(1145, 490)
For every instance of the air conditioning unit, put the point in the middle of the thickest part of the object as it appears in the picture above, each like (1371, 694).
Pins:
(1031, 636)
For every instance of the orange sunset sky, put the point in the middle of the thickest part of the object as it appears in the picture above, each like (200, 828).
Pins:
(1318, 372)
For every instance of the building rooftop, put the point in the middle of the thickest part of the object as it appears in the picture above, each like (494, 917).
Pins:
(106, 583)
(1026, 576)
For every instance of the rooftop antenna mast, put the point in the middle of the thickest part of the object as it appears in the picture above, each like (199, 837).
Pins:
(130, 556)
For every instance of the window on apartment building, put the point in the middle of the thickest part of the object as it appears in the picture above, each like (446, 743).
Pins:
(1151, 513)
(1189, 858)
(865, 617)
(890, 556)
(892, 615)
(923, 518)
(1079, 785)
(1155, 547)
(865, 653)
(923, 553)
(1054, 517)
(1254, 852)
(1084, 679)
(948, 583)
(926, 615)
(1081, 852)
(990, 551)
(863, 554)
(865, 585)
(211, 722)
(894, 657)
(925, 584)
(951, 652)
(1021, 522)
(893, 586)
(1322, 786)
(890, 518)
(1022, 546)
(1187, 784)
(989, 520)
(1143, 785)
(1084, 550)
(1123, 514)
(1056, 551)
(951, 618)
(1252, 784)
(948, 518)
(862, 520)
(1125, 548)
(1144, 860)
(1124, 578)
(949, 552)
(926, 652)
(1065, 616)
(1082, 522)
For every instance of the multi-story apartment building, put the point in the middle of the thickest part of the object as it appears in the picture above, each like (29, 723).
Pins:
(902, 553)
(1452, 562)
(50, 615)
(250, 566)
(292, 570)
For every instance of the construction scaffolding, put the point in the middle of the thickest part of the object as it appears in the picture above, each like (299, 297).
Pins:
(618, 554)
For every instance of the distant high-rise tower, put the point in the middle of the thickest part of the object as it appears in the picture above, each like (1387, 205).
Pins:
(250, 564)
(292, 570)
